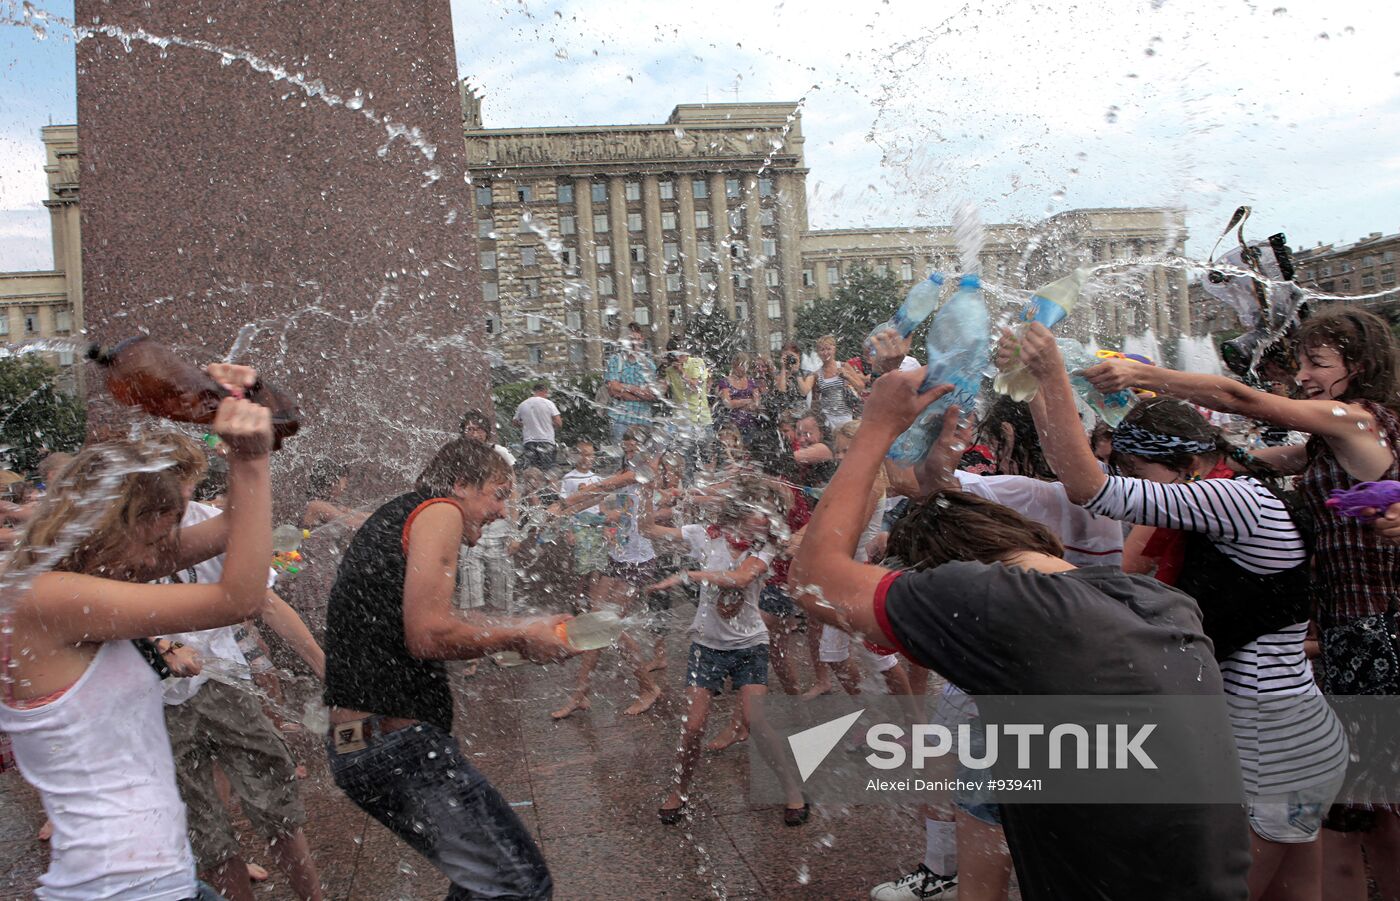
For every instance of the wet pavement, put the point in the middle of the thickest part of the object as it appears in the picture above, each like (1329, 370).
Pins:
(588, 787)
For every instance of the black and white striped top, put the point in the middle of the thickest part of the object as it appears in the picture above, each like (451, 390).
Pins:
(833, 395)
(1287, 736)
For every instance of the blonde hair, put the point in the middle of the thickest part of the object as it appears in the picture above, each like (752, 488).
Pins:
(846, 430)
(826, 339)
(85, 522)
(188, 457)
(750, 494)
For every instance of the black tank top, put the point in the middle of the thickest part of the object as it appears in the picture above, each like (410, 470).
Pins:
(368, 666)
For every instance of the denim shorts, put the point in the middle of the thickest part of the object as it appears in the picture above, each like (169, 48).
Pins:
(1293, 817)
(708, 667)
(776, 602)
(417, 783)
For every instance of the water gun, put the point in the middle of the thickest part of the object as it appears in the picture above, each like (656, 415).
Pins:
(1119, 355)
(1365, 500)
(288, 562)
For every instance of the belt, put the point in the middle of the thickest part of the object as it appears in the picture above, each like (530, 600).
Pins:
(350, 730)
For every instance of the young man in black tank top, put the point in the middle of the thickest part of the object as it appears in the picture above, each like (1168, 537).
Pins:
(390, 626)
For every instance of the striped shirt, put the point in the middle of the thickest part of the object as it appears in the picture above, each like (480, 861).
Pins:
(1286, 734)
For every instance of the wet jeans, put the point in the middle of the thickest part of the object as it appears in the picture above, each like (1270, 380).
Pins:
(416, 782)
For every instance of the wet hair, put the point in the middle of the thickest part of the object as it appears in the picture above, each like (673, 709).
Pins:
(1174, 418)
(322, 477)
(462, 461)
(189, 458)
(540, 386)
(846, 430)
(476, 417)
(215, 482)
(750, 494)
(953, 525)
(1367, 348)
(1026, 457)
(85, 522)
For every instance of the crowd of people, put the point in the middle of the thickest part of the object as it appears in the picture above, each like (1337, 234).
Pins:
(1031, 552)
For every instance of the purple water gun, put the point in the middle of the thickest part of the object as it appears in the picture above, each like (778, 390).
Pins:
(1363, 497)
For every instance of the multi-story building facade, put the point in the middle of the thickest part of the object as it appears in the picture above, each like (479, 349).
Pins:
(48, 303)
(584, 229)
(1364, 266)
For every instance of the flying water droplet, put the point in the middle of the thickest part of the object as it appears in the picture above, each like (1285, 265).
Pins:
(1339, 411)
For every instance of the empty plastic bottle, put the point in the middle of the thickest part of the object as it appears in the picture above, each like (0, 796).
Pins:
(1111, 408)
(958, 348)
(585, 632)
(918, 304)
(1047, 306)
(287, 538)
(144, 373)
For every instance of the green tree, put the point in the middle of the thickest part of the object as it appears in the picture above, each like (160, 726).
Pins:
(864, 301)
(36, 416)
(715, 337)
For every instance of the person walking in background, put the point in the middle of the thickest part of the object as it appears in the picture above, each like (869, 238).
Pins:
(629, 379)
(538, 417)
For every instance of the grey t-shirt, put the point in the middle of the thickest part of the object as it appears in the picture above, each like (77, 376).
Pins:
(995, 630)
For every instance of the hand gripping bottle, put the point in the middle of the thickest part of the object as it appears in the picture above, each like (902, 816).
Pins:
(143, 373)
(585, 632)
(1047, 306)
(917, 306)
(1111, 408)
(958, 352)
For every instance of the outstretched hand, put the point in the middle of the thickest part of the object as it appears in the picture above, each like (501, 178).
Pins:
(1114, 375)
(895, 402)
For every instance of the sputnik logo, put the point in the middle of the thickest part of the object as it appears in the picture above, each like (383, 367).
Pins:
(811, 746)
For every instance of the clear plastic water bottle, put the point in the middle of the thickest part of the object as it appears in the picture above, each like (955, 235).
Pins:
(287, 538)
(585, 632)
(1047, 306)
(918, 304)
(958, 348)
(1111, 408)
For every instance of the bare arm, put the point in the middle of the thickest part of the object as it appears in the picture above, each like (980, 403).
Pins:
(282, 619)
(741, 577)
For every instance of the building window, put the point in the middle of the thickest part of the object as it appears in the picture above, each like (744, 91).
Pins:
(906, 271)
(483, 195)
(641, 315)
(668, 190)
(31, 321)
(1346, 284)
(670, 251)
(634, 222)
(882, 268)
(775, 308)
(673, 283)
(602, 254)
(524, 193)
(741, 312)
(599, 191)
(639, 253)
(736, 219)
(600, 225)
(767, 218)
(1387, 278)
(493, 325)
(485, 228)
(775, 340)
(702, 218)
(1326, 271)
(62, 320)
(566, 192)
(1368, 281)
(576, 351)
(833, 275)
(612, 321)
(532, 287)
(573, 320)
(1388, 256)
(567, 225)
(771, 277)
(738, 250)
(4, 321)
(569, 257)
(488, 259)
(639, 284)
(605, 285)
(765, 186)
(528, 256)
(490, 292)
(536, 354)
(808, 279)
(699, 189)
(532, 324)
(634, 190)
(731, 187)
(1368, 260)
(705, 251)
(770, 247)
(668, 221)
(677, 315)
(741, 278)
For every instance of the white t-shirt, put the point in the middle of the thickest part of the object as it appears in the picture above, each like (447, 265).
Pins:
(536, 417)
(744, 629)
(1089, 539)
(218, 649)
(574, 480)
(500, 528)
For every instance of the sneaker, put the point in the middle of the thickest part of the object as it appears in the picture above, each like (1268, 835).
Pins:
(919, 885)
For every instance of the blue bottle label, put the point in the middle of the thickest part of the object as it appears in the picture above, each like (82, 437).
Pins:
(1043, 310)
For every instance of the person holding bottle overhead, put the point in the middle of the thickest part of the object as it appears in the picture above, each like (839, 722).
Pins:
(390, 626)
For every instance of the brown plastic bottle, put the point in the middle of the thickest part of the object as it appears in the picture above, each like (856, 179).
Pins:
(144, 373)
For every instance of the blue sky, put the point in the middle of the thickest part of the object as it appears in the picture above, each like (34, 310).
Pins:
(913, 105)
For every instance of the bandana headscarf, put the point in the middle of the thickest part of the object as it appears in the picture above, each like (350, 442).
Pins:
(1140, 442)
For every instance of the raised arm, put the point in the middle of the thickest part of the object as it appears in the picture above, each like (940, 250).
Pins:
(826, 559)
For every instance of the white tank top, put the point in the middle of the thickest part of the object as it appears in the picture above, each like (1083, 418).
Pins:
(100, 757)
